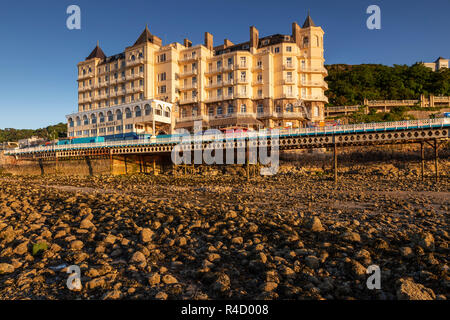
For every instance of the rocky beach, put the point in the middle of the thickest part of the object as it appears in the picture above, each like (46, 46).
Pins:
(294, 235)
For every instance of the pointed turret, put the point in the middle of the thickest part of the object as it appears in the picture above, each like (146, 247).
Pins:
(308, 22)
(97, 53)
(146, 36)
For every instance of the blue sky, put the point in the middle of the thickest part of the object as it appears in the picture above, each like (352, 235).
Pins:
(38, 53)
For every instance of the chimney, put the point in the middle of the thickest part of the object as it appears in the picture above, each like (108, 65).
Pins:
(227, 43)
(209, 40)
(296, 33)
(187, 43)
(254, 37)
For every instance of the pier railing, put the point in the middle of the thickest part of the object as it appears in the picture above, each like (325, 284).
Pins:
(175, 139)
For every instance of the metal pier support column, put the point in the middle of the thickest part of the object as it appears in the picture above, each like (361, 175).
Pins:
(154, 167)
(436, 156)
(41, 166)
(335, 163)
(422, 159)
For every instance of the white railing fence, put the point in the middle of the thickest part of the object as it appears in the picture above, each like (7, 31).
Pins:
(361, 127)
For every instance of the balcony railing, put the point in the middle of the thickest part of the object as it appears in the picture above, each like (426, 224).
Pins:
(214, 84)
(189, 86)
(314, 70)
(257, 82)
(314, 98)
(135, 62)
(189, 100)
(322, 84)
(188, 72)
(228, 67)
(214, 70)
(288, 66)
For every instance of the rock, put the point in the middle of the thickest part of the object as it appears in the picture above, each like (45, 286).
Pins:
(358, 269)
(312, 262)
(22, 248)
(424, 240)
(268, 286)
(406, 252)
(110, 239)
(76, 245)
(222, 283)
(161, 295)
(6, 268)
(96, 283)
(154, 279)
(146, 235)
(409, 290)
(237, 240)
(86, 224)
(168, 279)
(182, 241)
(138, 258)
(112, 295)
(315, 225)
(351, 236)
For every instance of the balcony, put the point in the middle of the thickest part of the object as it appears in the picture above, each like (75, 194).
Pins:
(287, 81)
(258, 68)
(193, 118)
(84, 76)
(319, 84)
(215, 98)
(214, 70)
(314, 98)
(228, 82)
(214, 84)
(241, 95)
(242, 81)
(288, 66)
(233, 115)
(313, 70)
(257, 83)
(85, 88)
(283, 115)
(135, 62)
(228, 67)
(189, 86)
(188, 73)
(188, 100)
(289, 95)
(242, 66)
(188, 58)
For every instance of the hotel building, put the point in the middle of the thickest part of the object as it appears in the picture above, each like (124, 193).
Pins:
(272, 81)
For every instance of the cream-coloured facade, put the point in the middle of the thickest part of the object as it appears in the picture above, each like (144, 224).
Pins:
(438, 64)
(273, 81)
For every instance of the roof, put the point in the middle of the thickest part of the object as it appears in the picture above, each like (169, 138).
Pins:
(308, 22)
(145, 36)
(96, 53)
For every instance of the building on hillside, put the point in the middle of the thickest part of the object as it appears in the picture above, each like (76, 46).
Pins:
(271, 81)
(438, 64)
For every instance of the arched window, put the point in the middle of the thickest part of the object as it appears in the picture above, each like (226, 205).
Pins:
(278, 109)
(148, 110)
(78, 121)
(305, 41)
(289, 107)
(128, 114)
(101, 117)
(70, 121)
(93, 118)
(137, 111)
(230, 109)
(183, 113)
(133, 57)
(194, 111)
(315, 111)
(110, 116)
(219, 110)
(243, 108)
(119, 115)
(158, 110)
(85, 120)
